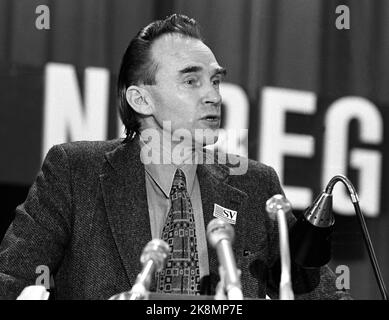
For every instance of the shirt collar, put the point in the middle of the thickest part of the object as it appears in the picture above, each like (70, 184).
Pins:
(163, 174)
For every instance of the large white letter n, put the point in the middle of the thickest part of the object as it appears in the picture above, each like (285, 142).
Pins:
(64, 114)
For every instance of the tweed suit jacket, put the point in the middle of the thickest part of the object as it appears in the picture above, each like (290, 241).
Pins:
(86, 218)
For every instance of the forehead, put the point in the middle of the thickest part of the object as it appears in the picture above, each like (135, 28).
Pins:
(173, 52)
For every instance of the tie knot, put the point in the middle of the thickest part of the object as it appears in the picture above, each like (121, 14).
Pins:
(179, 181)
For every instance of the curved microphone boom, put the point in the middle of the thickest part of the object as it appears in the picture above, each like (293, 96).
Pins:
(277, 207)
(354, 199)
(153, 258)
(221, 235)
(310, 235)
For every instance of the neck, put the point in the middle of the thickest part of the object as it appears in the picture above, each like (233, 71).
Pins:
(160, 147)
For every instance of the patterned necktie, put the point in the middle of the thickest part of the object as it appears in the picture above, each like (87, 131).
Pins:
(181, 274)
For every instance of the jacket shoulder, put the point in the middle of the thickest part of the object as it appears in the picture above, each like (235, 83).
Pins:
(90, 147)
(87, 150)
(84, 156)
(240, 165)
(259, 167)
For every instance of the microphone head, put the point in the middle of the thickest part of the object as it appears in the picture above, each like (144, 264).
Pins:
(320, 213)
(156, 250)
(36, 292)
(276, 203)
(310, 236)
(218, 230)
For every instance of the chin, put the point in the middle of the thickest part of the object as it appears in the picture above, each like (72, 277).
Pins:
(210, 137)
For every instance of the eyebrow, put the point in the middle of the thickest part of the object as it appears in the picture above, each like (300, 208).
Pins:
(220, 70)
(193, 69)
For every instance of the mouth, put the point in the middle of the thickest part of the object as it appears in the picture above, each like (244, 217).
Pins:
(211, 118)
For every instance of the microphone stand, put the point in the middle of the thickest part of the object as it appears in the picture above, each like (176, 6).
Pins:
(366, 237)
(220, 236)
(152, 258)
(286, 291)
(277, 207)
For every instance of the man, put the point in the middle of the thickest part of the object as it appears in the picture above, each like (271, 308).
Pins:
(95, 205)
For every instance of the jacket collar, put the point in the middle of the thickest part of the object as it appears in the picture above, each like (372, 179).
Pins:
(214, 188)
(124, 192)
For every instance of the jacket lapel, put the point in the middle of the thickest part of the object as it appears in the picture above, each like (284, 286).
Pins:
(214, 189)
(124, 192)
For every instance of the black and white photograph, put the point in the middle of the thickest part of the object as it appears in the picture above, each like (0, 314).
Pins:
(188, 153)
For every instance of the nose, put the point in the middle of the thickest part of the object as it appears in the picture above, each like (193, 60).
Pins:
(212, 96)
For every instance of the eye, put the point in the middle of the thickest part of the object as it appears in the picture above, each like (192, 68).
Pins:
(192, 82)
(216, 82)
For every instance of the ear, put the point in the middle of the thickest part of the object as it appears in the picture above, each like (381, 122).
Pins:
(139, 99)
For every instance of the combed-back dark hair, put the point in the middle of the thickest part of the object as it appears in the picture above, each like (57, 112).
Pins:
(138, 67)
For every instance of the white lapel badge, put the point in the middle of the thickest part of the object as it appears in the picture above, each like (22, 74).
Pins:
(225, 214)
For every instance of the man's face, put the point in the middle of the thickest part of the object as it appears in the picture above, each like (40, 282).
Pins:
(186, 92)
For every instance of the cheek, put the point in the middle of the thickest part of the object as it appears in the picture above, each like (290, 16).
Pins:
(165, 105)
(182, 108)
(173, 104)
(187, 105)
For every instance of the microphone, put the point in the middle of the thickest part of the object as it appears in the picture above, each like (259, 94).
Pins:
(153, 258)
(277, 207)
(220, 236)
(311, 234)
(36, 292)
